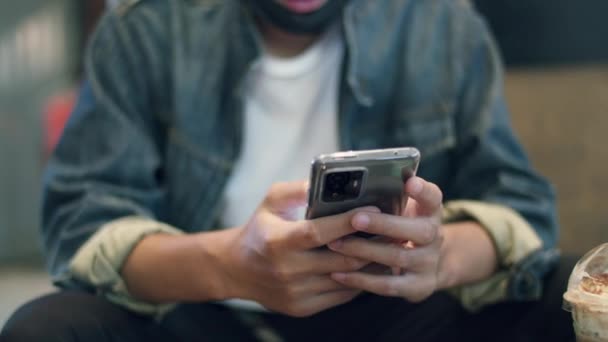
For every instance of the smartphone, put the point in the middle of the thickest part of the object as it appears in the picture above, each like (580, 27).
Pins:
(343, 181)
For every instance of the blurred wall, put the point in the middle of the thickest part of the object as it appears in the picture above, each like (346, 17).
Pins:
(37, 44)
(561, 115)
(541, 32)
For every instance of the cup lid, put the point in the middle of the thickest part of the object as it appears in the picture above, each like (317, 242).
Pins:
(588, 283)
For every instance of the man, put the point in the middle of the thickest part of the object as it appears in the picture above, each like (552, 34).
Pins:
(192, 109)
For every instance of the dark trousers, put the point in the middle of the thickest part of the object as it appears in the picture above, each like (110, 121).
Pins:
(77, 316)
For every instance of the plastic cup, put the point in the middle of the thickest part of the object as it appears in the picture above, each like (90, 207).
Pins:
(587, 296)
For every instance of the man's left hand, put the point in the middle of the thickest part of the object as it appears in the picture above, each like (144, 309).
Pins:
(410, 243)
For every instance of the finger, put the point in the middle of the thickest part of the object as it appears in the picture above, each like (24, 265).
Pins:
(375, 268)
(315, 233)
(409, 286)
(286, 196)
(321, 302)
(420, 230)
(389, 254)
(325, 262)
(318, 284)
(427, 195)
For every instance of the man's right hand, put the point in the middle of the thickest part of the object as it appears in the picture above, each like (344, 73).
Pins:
(275, 261)
(272, 260)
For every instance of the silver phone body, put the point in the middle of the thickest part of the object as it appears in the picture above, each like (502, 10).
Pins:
(384, 175)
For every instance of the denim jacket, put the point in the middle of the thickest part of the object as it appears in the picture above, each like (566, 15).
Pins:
(158, 125)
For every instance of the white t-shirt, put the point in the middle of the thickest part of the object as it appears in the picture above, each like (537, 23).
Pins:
(291, 107)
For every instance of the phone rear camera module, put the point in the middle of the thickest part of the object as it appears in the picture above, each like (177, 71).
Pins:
(341, 186)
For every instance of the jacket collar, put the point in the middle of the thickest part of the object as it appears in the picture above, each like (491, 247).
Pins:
(246, 39)
(353, 53)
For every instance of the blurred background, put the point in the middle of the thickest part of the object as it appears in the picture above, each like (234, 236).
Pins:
(557, 88)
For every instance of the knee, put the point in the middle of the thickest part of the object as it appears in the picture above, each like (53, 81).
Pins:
(26, 331)
(49, 318)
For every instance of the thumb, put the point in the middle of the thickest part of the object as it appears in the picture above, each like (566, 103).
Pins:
(284, 197)
(426, 197)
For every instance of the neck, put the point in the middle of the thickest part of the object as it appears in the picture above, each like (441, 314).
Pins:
(284, 44)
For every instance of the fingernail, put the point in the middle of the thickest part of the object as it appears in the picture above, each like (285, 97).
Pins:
(339, 276)
(335, 244)
(415, 186)
(361, 221)
(371, 209)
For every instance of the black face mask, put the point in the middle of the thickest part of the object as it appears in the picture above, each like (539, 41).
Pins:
(296, 23)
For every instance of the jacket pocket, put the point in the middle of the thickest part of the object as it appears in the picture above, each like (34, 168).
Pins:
(195, 176)
(429, 128)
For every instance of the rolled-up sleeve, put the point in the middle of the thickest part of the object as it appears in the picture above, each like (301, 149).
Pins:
(513, 238)
(100, 260)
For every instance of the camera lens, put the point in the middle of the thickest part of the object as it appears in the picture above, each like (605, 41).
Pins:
(340, 186)
(338, 177)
